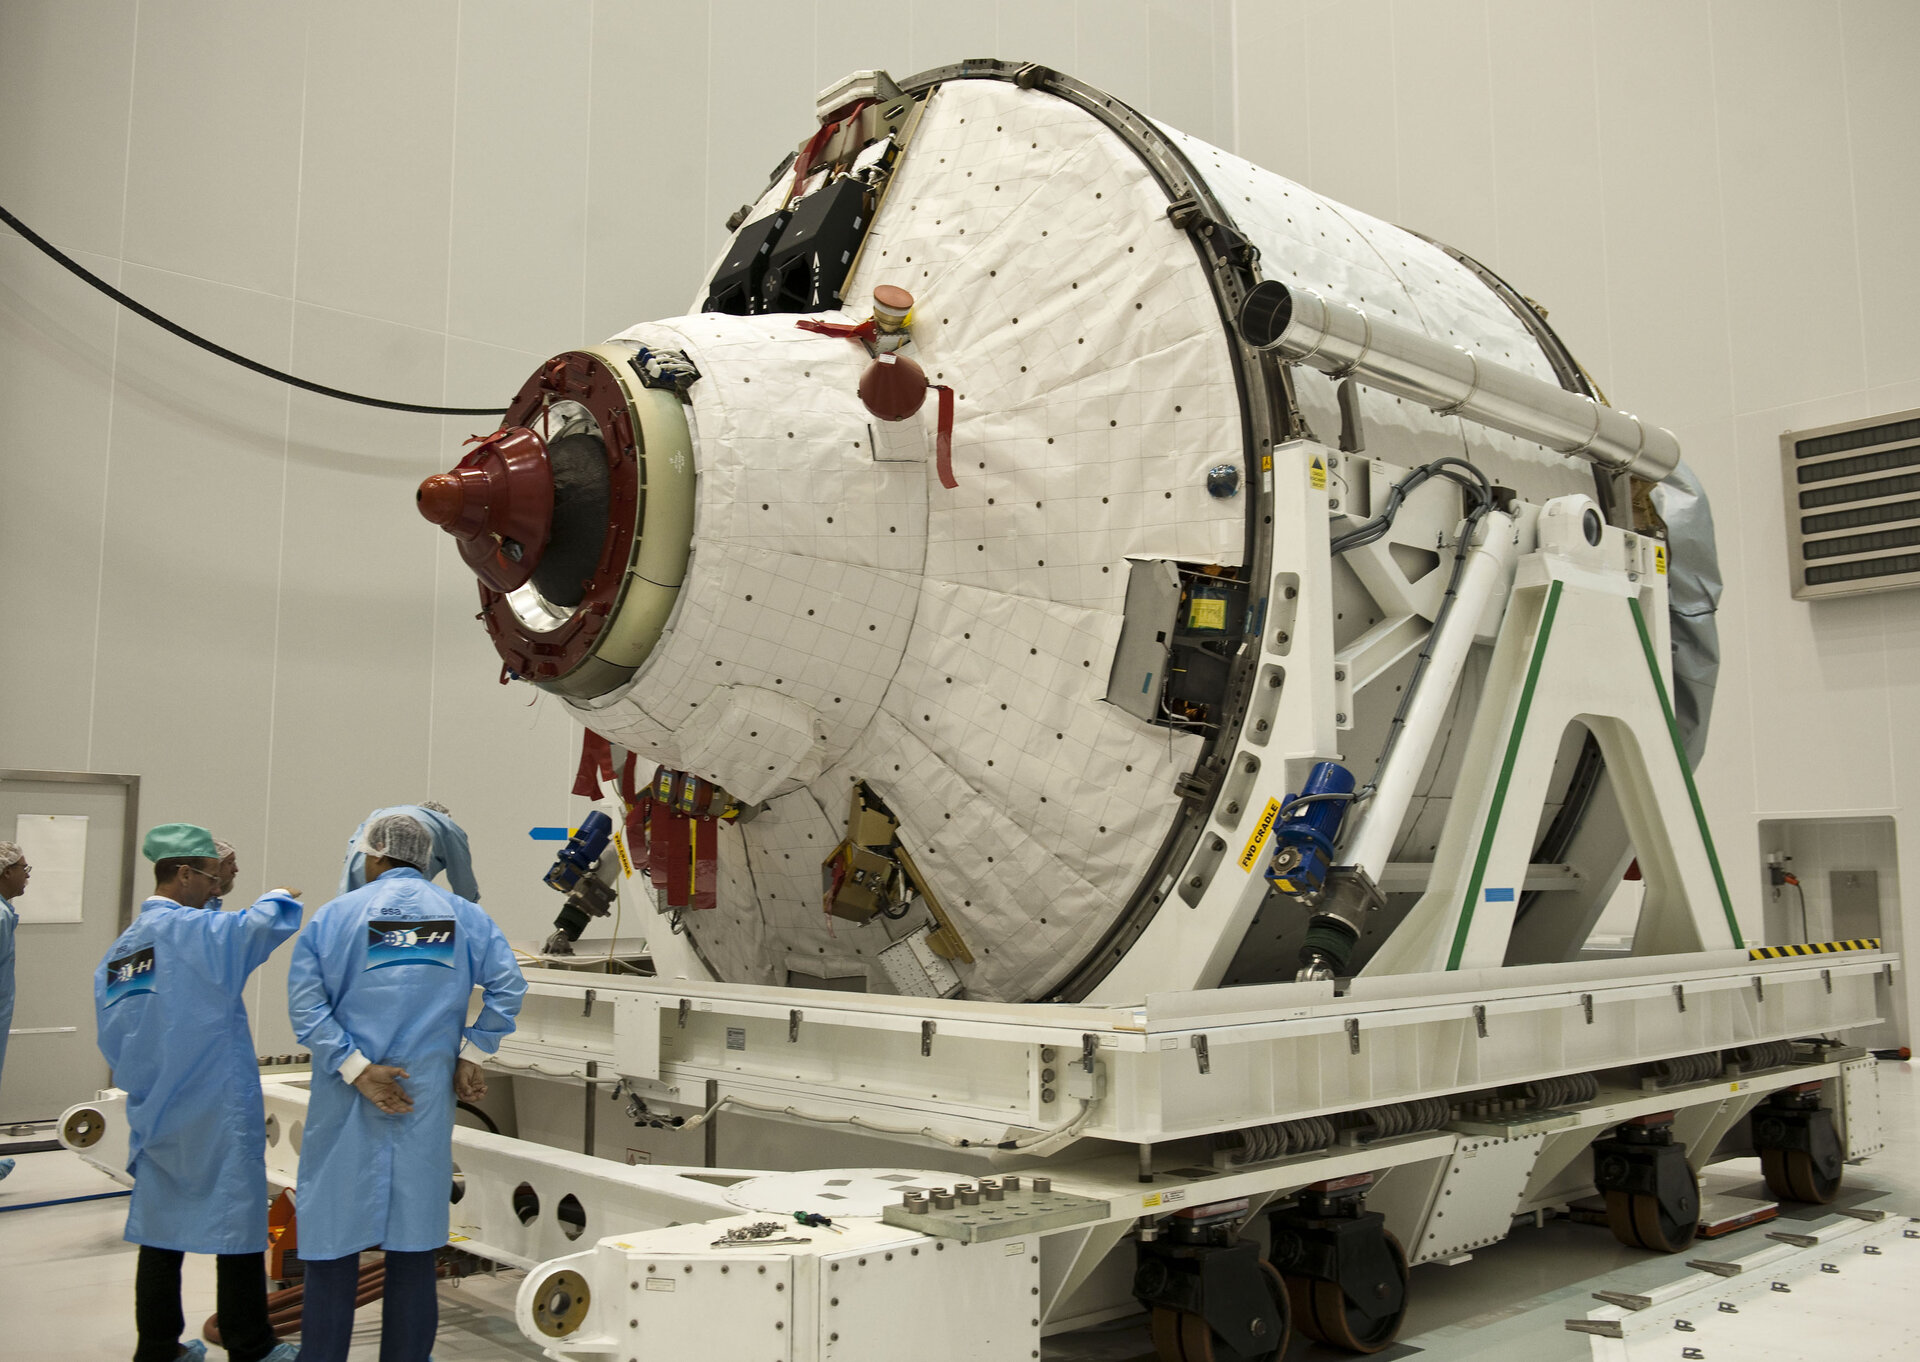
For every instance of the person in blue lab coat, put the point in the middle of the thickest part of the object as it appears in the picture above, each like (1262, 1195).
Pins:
(167, 1000)
(449, 851)
(14, 872)
(378, 991)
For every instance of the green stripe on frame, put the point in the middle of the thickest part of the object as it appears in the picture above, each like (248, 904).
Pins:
(1506, 776)
(1686, 770)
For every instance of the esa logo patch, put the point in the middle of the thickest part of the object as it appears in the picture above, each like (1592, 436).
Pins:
(130, 974)
(410, 941)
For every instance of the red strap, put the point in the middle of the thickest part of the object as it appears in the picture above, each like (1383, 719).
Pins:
(596, 760)
(943, 441)
(863, 331)
(706, 863)
(660, 821)
(803, 163)
(840, 864)
(679, 859)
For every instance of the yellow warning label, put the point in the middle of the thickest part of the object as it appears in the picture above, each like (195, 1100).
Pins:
(1660, 559)
(1317, 475)
(620, 845)
(1150, 1200)
(1207, 613)
(1266, 463)
(1260, 831)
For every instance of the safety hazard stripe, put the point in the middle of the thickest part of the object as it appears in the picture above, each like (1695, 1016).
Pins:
(1865, 943)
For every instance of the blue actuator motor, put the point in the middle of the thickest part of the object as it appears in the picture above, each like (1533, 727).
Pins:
(585, 848)
(1303, 838)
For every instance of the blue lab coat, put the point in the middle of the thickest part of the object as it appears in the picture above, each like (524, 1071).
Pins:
(167, 1002)
(450, 852)
(9, 919)
(388, 971)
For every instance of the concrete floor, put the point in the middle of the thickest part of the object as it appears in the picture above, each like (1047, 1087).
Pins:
(66, 1277)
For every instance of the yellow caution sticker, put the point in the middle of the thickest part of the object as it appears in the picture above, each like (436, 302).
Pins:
(1660, 559)
(1266, 463)
(1207, 612)
(1260, 831)
(1149, 1201)
(626, 862)
(1317, 475)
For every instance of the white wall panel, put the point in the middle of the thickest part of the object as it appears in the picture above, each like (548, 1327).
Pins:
(213, 166)
(1879, 39)
(378, 151)
(518, 239)
(65, 80)
(56, 349)
(1788, 200)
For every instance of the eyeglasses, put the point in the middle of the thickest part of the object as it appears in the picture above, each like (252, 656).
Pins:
(212, 875)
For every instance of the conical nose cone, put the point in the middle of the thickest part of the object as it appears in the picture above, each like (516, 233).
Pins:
(440, 499)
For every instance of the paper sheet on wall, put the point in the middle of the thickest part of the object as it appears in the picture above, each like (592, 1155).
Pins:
(56, 848)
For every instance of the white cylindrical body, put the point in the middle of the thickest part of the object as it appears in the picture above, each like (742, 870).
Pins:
(1488, 571)
(1341, 340)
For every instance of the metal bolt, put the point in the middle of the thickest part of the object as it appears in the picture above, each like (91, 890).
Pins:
(1043, 1185)
(1046, 1076)
(1340, 718)
(1046, 1094)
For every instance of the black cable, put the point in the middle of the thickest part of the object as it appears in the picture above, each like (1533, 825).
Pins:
(1377, 527)
(1806, 932)
(478, 1115)
(74, 267)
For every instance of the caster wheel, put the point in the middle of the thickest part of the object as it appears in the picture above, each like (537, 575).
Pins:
(1182, 1336)
(1324, 1312)
(1792, 1175)
(1640, 1221)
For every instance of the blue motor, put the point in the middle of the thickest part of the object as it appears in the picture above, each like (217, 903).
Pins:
(1303, 838)
(585, 848)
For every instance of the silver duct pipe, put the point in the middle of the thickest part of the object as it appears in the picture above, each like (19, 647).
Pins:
(1340, 340)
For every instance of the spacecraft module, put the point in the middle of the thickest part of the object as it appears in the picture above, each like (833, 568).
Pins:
(1054, 572)
(917, 577)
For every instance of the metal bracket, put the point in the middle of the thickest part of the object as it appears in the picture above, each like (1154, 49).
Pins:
(1184, 213)
(1717, 1268)
(1586, 1006)
(1353, 1035)
(1480, 1019)
(686, 1006)
(1089, 1047)
(587, 1010)
(1196, 785)
(927, 1029)
(1032, 75)
(1759, 989)
(1200, 1054)
(1886, 974)
(793, 1027)
(1680, 996)
(1826, 977)
(1603, 1328)
(1626, 1300)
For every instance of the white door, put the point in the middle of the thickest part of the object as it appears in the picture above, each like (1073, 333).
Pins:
(52, 1061)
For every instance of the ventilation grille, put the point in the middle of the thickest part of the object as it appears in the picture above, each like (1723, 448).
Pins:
(1853, 506)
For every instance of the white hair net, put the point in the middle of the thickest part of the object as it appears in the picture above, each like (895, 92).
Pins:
(398, 837)
(10, 855)
(224, 848)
